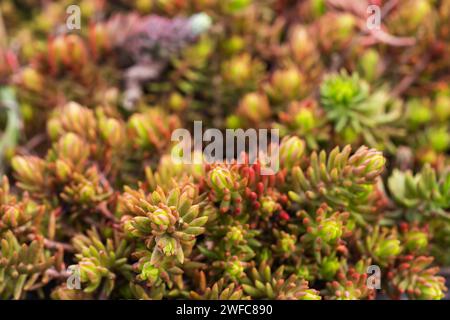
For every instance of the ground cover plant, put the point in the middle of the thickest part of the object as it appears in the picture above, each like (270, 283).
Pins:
(94, 206)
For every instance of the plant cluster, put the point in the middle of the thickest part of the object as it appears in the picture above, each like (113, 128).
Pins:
(93, 205)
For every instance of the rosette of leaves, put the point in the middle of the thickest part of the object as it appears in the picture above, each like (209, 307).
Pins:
(264, 201)
(419, 113)
(291, 152)
(304, 267)
(30, 174)
(325, 229)
(261, 283)
(343, 181)
(74, 118)
(350, 284)
(435, 142)
(65, 173)
(271, 203)
(85, 191)
(335, 31)
(415, 277)
(244, 188)
(101, 264)
(164, 278)
(358, 113)
(285, 245)
(226, 187)
(424, 195)
(23, 266)
(233, 245)
(240, 74)
(17, 215)
(105, 134)
(219, 290)
(33, 173)
(69, 154)
(415, 238)
(382, 244)
(424, 198)
(253, 111)
(166, 222)
(328, 264)
(286, 85)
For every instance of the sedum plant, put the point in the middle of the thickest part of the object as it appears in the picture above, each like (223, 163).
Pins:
(357, 112)
(95, 205)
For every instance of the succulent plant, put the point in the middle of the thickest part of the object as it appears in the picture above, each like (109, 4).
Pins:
(218, 291)
(22, 266)
(428, 194)
(167, 224)
(262, 283)
(343, 181)
(414, 277)
(350, 284)
(96, 204)
(355, 111)
(98, 262)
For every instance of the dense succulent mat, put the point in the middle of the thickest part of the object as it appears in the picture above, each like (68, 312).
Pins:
(92, 205)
